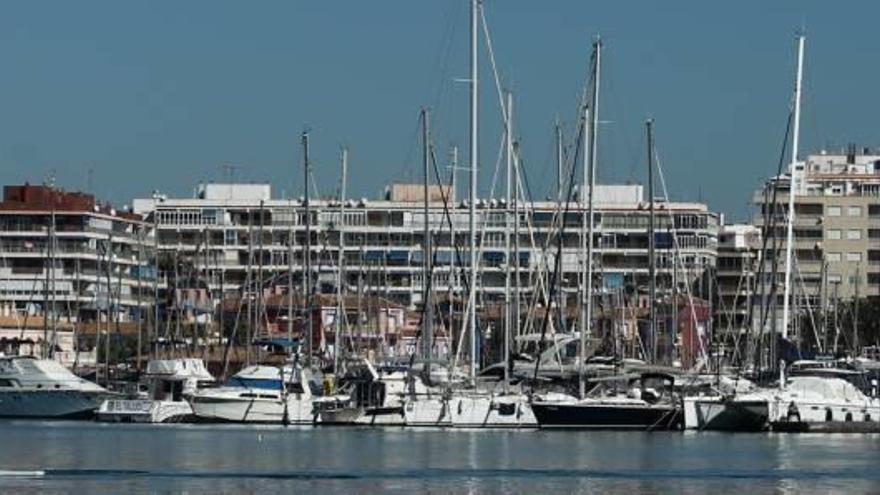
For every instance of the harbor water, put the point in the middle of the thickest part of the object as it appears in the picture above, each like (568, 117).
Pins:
(39, 457)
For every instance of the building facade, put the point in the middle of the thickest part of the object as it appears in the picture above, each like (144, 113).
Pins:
(836, 230)
(70, 262)
(238, 236)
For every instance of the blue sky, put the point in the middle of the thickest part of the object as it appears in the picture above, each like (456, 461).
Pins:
(162, 94)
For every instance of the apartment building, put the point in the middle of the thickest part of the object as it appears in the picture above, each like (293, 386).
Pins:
(739, 248)
(238, 235)
(68, 260)
(836, 230)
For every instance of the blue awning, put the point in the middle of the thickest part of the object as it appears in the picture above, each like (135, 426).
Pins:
(494, 257)
(443, 257)
(397, 256)
(374, 256)
(417, 257)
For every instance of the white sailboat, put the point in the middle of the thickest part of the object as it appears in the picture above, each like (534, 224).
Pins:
(475, 404)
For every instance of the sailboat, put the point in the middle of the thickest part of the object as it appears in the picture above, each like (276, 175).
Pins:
(796, 401)
(476, 403)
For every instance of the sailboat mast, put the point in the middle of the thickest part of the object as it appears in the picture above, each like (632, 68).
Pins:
(508, 145)
(340, 277)
(652, 266)
(472, 299)
(427, 300)
(559, 167)
(290, 277)
(516, 255)
(789, 238)
(307, 254)
(591, 121)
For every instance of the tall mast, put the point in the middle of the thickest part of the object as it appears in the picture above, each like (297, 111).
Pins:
(154, 344)
(340, 277)
(454, 265)
(516, 256)
(559, 180)
(789, 239)
(258, 317)
(307, 255)
(50, 268)
(290, 276)
(508, 141)
(591, 121)
(249, 284)
(472, 299)
(427, 300)
(652, 266)
(140, 309)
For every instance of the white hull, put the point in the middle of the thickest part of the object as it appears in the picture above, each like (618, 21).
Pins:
(470, 411)
(18, 403)
(427, 411)
(825, 411)
(231, 407)
(144, 411)
(484, 411)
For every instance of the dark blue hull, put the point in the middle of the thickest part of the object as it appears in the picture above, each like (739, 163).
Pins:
(607, 416)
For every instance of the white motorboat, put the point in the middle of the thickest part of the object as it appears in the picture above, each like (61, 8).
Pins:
(259, 394)
(43, 388)
(169, 382)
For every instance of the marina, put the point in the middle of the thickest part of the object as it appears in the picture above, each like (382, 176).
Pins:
(602, 309)
(466, 324)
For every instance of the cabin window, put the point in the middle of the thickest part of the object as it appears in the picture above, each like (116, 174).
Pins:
(6, 383)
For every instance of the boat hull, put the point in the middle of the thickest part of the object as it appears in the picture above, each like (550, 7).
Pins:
(492, 412)
(50, 404)
(220, 409)
(606, 416)
(144, 411)
(720, 414)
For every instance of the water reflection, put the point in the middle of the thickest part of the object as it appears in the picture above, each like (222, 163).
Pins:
(141, 458)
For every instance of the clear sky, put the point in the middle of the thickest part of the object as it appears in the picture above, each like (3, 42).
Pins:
(162, 94)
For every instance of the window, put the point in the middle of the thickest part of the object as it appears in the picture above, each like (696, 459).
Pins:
(854, 257)
(854, 234)
(854, 211)
(834, 235)
(833, 211)
(832, 257)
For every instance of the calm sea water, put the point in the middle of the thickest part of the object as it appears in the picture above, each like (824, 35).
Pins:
(85, 457)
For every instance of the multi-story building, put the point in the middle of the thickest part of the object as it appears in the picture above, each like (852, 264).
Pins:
(67, 262)
(739, 246)
(836, 227)
(238, 235)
